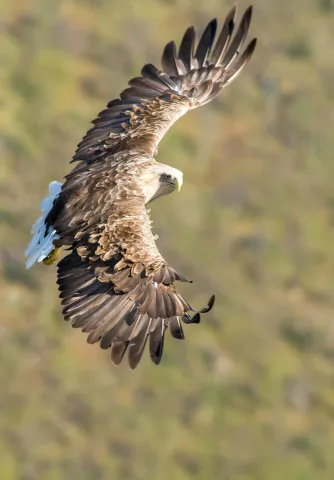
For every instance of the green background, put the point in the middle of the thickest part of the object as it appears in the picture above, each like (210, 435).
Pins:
(250, 394)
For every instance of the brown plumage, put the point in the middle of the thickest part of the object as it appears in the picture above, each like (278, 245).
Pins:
(114, 284)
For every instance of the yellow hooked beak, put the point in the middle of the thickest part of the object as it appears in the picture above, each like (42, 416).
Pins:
(178, 183)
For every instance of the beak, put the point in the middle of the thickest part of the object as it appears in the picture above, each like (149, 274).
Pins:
(178, 184)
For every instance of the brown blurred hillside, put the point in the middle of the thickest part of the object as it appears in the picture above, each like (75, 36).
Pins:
(250, 394)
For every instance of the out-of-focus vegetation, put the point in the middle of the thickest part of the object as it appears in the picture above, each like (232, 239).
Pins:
(250, 394)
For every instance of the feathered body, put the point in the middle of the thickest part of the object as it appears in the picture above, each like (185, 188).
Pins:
(114, 283)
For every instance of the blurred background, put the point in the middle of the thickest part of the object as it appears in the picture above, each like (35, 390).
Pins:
(250, 394)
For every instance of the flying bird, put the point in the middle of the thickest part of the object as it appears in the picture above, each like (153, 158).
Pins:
(114, 283)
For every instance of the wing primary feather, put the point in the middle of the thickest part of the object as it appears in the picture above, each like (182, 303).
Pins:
(168, 60)
(187, 319)
(150, 71)
(186, 50)
(211, 303)
(137, 344)
(149, 301)
(176, 329)
(157, 336)
(240, 63)
(197, 317)
(239, 38)
(118, 350)
(205, 43)
(152, 309)
(179, 310)
(155, 85)
(168, 305)
(224, 37)
(136, 326)
(161, 308)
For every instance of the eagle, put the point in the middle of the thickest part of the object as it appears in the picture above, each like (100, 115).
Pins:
(114, 284)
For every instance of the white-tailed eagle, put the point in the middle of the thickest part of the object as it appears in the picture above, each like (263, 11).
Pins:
(114, 283)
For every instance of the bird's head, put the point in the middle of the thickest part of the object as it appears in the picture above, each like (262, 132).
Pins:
(162, 181)
(171, 180)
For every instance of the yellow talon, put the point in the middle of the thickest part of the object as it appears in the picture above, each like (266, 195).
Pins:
(52, 257)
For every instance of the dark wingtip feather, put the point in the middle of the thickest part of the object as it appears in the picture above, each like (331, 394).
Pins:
(240, 62)
(186, 50)
(205, 43)
(137, 344)
(168, 60)
(197, 317)
(249, 11)
(211, 303)
(176, 328)
(118, 350)
(157, 337)
(247, 17)
(187, 319)
(251, 47)
(239, 38)
(224, 37)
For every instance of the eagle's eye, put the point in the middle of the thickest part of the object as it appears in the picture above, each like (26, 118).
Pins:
(165, 177)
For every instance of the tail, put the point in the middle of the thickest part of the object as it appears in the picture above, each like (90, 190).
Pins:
(41, 244)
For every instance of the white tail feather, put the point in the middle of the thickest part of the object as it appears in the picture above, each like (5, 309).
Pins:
(41, 244)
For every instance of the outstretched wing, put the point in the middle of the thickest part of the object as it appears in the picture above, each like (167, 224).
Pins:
(153, 102)
(116, 286)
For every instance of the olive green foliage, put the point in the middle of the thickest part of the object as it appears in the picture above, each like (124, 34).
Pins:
(250, 394)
